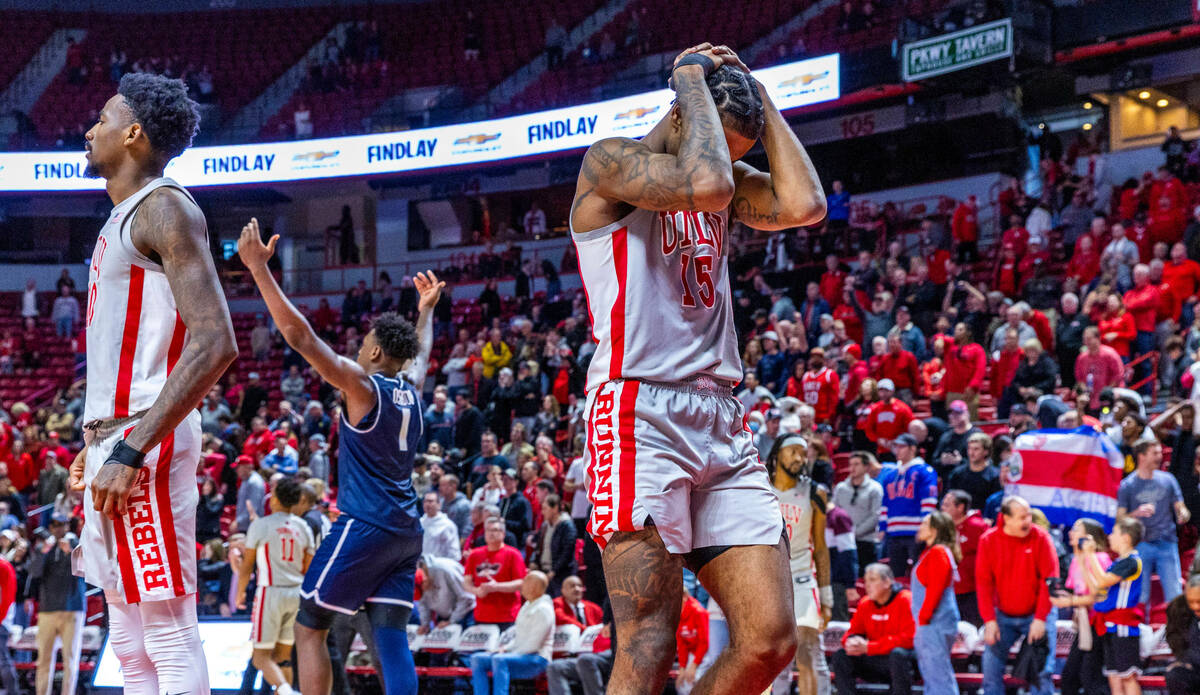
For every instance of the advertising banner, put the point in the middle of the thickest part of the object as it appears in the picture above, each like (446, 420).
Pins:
(939, 55)
(790, 86)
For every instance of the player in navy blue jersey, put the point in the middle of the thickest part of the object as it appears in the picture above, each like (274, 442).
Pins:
(370, 555)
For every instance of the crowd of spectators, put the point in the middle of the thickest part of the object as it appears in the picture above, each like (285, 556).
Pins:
(908, 363)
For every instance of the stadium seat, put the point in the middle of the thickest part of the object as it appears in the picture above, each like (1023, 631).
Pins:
(442, 639)
(479, 638)
(566, 639)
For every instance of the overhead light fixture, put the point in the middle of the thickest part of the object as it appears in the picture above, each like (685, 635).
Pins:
(1087, 105)
(1087, 126)
(1143, 94)
(1042, 126)
(1161, 103)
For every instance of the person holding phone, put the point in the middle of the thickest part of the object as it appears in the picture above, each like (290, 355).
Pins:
(1081, 673)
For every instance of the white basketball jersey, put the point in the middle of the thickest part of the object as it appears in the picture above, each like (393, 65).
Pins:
(796, 505)
(279, 541)
(657, 287)
(134, 333)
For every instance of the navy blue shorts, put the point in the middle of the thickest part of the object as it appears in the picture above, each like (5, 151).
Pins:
(361, 563)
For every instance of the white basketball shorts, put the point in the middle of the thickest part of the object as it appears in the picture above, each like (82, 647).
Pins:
(273, 620)
(149, 553)
(679, 454)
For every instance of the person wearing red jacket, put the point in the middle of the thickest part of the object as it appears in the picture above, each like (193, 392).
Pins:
(1041, 326)
(1006, 277)
(571, 609)
(832, 281)
(1168, 307)
(1005, 363)
(964, 229)
(1166, 222)
(971, 526)
(878, 645)
(1085, 262)
(856, 371)
(900, 366)
(691, 643)
(887, 419)
(1143, 302)
(966, 366)
(1014, 561)
(820, 386)
(1182, 274)
(1117, 328)
(8, 593)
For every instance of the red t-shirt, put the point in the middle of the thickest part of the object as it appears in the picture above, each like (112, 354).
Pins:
(901, 368)
(887, 421)
(854, 328)
(503, 565)
(1018, 237)
(1124, 331)
(1003, 370)
(935, 570)
(1084, 266)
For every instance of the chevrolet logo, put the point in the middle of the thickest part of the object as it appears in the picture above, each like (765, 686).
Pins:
(315, 156)
(805, 79)
(636, 113)
(477, 139)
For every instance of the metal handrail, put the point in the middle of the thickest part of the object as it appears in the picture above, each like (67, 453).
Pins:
(1152, 379)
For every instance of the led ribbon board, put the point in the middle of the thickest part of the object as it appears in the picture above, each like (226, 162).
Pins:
(790, 86)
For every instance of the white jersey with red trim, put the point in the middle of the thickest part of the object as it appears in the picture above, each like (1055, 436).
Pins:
(797, 507)
(134, 333)
(657, 287)
(280, 541)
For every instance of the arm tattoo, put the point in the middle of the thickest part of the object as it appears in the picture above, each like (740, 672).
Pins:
(170, 227)
(624, 170)
(753, 214)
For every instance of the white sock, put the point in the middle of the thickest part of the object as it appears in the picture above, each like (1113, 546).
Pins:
(285, 689)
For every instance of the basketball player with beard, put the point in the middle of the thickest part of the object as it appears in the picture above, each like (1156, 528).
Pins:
(675, 476)
(158, 337)
(803, 505)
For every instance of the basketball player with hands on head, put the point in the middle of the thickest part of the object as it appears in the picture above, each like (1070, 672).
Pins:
(370, 555)
(676, 480)
(158, 337)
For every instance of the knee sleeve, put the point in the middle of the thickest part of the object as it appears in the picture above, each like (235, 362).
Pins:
(391, 615)
(173, 643)
(315, 617)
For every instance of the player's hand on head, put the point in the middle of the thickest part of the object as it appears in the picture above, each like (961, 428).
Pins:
(111, 488)
(251, 248)
(429, 288)
(729, 57)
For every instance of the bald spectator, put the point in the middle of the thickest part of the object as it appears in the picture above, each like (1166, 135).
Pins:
(455, 504)
(528, 655)
(1014, 561)
(878, 645)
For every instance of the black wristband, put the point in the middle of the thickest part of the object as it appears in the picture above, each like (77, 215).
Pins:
(126, 455)
(692, 59)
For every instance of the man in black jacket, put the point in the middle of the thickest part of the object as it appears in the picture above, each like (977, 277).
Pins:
(515, 508)
(468, 424)
(1183, 637)
(554, 547)
(1068, 339)
(1036, 371)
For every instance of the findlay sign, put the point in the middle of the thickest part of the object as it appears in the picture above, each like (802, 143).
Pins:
(961, 49)
(790, 86)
